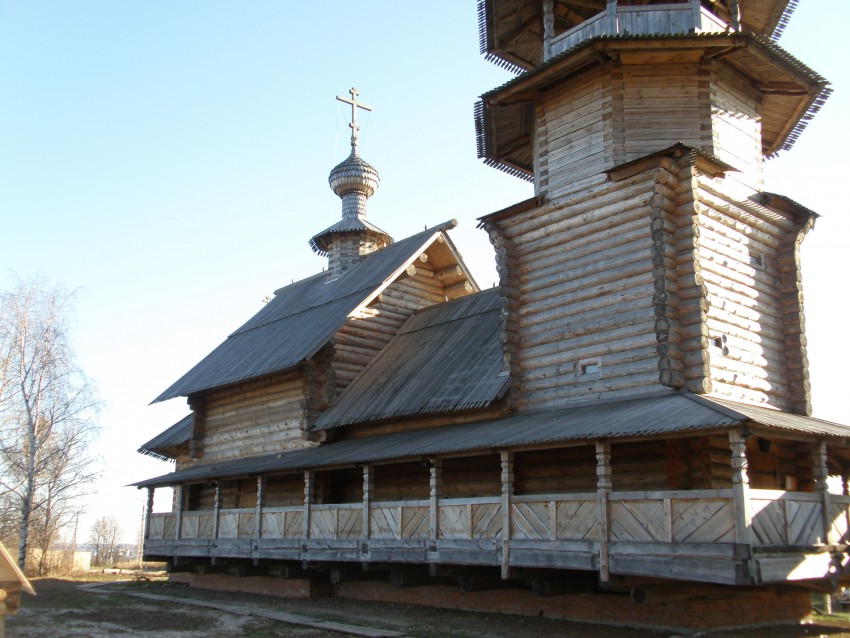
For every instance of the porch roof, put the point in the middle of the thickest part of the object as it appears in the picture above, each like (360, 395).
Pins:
(640, 417)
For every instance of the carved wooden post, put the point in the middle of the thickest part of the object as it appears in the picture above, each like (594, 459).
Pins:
(436, 489)
(603, 492)
(548, 27)
(368, 487)
(148, 512)
(741, 488)
(820, 473)
(507, 493)
(216, 508)
(259, 507)
(308, 500)
(178, 524)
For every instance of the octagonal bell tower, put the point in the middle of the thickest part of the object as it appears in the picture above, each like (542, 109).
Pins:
(650, 257)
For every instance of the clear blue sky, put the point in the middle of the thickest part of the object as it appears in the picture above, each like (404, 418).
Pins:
(170, 160)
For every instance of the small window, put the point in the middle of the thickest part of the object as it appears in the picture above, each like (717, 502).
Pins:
(720, 343)
(757, 261)
(588, 367)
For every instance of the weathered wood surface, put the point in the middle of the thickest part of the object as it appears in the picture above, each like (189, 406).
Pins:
(689, 533)
(784, 518)
(283, 522)
(662, 19)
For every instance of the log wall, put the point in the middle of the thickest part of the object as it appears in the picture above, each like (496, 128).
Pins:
(579, 298)
(736, 125)
(662, 104)
(258, 418)
(747, 260)
(663, 274)
(617, 113)
(573, 130)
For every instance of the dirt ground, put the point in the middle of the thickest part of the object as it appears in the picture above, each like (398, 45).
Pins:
(74, 610)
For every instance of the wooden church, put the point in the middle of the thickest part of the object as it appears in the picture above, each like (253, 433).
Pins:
(627, 412)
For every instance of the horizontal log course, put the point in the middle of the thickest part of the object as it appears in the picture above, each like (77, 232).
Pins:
(619, 339)
(623, 322)
(401, 290)
(565, 370)
(742, 394)
(629, 258)
(570, 319)
(589, 222)
(625, 387)
(617, 278)
(459, 290)
(572, 249)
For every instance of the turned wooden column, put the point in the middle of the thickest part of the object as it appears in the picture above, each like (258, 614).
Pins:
(216, 509)
(436, 489)
(309, 479)
(603, 492)
(148, 512)
(820, 474)
(741, 488)
(368, 487)
(507, 494)
(178, 524)
(260, 507)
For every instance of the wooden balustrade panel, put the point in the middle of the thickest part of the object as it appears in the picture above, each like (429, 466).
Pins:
(189, 526)
(156, 527)
(577, 520)
(336, 523)
(349, 523)
(169, 526)
(247, 525)
(640, 520)
(384, 522)
(487, 520)
(805, 522)
(283, 524)
(531, 520)
(786, 521)
(454, 521)
(703, 521)
(415, 522)
(671, 20)
(228, 525)
(839, 522)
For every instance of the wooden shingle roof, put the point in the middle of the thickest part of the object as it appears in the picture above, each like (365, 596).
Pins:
(445, 358)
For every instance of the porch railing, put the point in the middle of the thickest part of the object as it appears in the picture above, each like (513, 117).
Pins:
(661, 19)
(778, 518)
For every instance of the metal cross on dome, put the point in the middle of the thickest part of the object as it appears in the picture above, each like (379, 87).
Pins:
(354, 106)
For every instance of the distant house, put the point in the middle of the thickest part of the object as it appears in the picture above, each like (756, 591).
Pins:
(627, 412)
(12, 581)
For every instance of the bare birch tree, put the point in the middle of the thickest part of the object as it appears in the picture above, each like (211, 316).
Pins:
(104, 536)
(47, 413)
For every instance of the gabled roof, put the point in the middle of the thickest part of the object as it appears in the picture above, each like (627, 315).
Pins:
(300, 319)
(445, 358)
(657, 416)
(164, 444)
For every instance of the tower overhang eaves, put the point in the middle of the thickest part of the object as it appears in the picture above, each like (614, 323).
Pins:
(792, 93)
(510, 31)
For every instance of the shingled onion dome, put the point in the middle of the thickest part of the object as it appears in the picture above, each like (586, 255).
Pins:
(345, 243)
